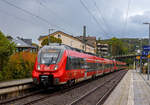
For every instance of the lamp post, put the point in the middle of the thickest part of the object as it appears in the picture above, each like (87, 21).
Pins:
(140, 56)
(84, 37)
(148, 52)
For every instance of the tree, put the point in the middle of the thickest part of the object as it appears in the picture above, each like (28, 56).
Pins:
(20, 65)
(6, 49)
(52, 39)
(117, 47)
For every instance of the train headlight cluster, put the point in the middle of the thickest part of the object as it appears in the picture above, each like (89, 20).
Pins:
(38, 67)
(56, 67)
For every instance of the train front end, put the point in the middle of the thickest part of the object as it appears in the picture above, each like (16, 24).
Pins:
(48, 67)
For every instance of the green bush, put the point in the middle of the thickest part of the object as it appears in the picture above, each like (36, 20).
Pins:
(6, 50)
(20, 65)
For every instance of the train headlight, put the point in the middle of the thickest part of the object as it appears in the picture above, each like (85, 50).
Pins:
(56, 67)
(38, 67)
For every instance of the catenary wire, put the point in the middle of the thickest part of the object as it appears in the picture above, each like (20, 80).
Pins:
(51, 11)
(126, 19)
(30, 13)
(92, 16)
(101, 15)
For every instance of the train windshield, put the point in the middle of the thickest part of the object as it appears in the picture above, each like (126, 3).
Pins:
(48, 56)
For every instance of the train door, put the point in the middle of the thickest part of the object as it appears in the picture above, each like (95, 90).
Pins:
(86, 69)
(112, 67)
(103, 67)
(97, 64)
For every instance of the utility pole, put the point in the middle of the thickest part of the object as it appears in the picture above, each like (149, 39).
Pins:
(84, 37)
(49, 32)
(148, 52)
(141, 58)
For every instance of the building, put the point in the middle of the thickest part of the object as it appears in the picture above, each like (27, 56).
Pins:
(90, 40)
(23, 44)
(70, 41)
(102, 49)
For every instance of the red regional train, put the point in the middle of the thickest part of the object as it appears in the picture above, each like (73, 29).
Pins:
(59, 64)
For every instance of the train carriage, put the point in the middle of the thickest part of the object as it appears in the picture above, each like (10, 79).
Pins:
(61, 64)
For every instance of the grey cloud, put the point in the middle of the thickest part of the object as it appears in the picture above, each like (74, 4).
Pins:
(139, 19)
(71, 16)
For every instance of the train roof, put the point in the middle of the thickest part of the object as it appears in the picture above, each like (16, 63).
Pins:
(66, 47)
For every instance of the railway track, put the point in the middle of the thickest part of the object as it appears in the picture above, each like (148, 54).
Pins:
(51, 93)
(112, 81)
(42, 95)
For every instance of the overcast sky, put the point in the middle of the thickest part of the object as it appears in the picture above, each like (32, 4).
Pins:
(103, 18)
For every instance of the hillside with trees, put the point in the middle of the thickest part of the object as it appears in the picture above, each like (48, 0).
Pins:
(124, 46)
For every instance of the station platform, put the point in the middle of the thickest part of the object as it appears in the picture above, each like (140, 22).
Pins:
(15, 82)
(14, 87)
(133, 89)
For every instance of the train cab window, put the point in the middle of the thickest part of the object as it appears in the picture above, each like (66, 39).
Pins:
(48, 56)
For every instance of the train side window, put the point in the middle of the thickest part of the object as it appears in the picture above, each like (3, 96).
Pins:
(78, 62)
(88, 66)
(103, 66)
(68, 63)
(95, 66)
(100, 66)
(92, 66)
(107, 66)
(73, 63)
(82, 63)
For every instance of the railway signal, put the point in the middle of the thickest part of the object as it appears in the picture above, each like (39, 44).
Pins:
(137, 57)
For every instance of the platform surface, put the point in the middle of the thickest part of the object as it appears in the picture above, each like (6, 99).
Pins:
(15, 82)
(134, 89)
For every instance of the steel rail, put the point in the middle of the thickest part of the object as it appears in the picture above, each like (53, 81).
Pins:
(93, 90)
(102, 99)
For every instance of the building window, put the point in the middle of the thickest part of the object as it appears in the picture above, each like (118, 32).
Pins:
(59, 36)
(83, 47)
(71, 42)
